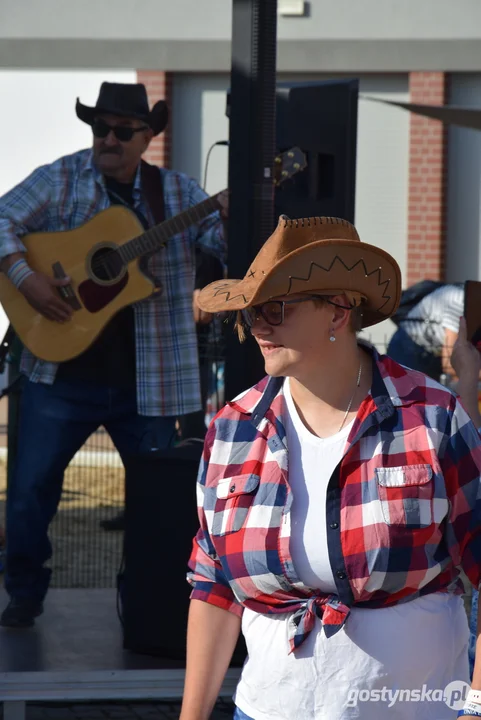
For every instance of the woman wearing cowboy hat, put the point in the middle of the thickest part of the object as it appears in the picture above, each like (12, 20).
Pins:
(338, 499)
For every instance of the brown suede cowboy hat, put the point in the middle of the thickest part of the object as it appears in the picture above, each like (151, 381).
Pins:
(125, 100)
(321, 254)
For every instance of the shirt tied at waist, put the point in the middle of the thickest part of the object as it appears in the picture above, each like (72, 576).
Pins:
(330, 611)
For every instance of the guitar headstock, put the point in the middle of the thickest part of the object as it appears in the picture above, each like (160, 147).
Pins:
(288, 164)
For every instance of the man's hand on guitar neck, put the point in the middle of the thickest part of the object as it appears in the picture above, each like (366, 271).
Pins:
(41, 292)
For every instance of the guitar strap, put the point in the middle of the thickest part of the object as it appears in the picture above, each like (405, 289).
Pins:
(153, 188)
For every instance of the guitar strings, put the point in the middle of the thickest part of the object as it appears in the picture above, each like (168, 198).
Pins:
(107, 261)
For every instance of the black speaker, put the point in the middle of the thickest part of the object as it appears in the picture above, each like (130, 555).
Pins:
(320, 118)
(160, 524)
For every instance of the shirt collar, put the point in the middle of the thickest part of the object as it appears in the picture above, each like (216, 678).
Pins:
(89, 166)
(392, 386)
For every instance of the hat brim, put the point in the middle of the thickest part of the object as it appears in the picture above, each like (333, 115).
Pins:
(157, 118)
(326, 266)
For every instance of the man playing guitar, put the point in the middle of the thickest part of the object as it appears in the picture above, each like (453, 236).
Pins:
(142, 371)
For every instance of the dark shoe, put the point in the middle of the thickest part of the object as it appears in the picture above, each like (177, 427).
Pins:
(115, 523)
(20, 613)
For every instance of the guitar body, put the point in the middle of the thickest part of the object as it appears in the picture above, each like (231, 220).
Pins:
(96, 298)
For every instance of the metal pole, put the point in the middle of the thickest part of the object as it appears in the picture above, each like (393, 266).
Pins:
(251, 159)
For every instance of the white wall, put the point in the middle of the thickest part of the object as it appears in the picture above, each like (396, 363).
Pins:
(38, 122)
(198, 115)
(382, 154)
(464, 186)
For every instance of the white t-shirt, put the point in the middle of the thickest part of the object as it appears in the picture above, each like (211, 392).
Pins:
(323, 678)
(312, 460)
(436, 312)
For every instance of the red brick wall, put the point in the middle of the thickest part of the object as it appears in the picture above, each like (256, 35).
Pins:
(427, 182)
(159, 87)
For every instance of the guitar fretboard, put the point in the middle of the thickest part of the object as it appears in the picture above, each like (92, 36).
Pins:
(156, 237)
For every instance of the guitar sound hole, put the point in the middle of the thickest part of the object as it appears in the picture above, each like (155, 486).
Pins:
(106, 265)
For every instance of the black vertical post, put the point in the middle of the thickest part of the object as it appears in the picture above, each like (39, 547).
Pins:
(251, 159)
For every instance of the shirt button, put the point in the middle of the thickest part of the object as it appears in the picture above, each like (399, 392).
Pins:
(341, 575)
(334, 526)
(232, 488)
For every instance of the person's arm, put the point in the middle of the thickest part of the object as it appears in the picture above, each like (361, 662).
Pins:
(215, 614)
(447, 350)
(466, 362)
(24, 209)
(460, 461)
(212, 634)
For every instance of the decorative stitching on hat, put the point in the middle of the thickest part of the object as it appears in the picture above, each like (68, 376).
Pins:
(228, 298)
(315, 219)
(377, 270)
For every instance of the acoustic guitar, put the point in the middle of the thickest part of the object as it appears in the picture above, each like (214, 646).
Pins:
(103, 260)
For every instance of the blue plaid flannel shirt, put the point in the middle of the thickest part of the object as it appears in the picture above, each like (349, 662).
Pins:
(70, 191)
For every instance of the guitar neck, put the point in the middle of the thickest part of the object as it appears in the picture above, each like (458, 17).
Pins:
(155, 238)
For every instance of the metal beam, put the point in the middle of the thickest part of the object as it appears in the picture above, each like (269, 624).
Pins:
(251, 159)
(322, 55)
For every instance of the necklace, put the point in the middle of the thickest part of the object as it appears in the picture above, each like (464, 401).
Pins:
(352, 397)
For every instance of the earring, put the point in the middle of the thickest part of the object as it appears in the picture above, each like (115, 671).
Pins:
(332, 337)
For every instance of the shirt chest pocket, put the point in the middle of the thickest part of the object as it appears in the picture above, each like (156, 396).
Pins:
(234, 498)
(406, 495)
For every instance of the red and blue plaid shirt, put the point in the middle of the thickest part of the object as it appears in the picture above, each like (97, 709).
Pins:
(403, 506)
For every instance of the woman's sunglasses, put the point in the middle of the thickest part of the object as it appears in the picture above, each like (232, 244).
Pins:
(124, 133)
(273, 311)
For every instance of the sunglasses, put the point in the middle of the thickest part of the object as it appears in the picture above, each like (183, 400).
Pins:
(273, 310)
(124, 133)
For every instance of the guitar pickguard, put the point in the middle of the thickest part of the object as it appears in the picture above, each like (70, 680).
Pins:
(95, 297)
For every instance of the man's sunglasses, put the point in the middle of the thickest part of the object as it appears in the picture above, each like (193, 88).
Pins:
(273, 310)
(124, 133)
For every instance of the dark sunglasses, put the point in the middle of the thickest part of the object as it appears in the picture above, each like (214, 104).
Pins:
(124, 133)
(273, 310)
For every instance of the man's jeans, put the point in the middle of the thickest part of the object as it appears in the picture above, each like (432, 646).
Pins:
(239, 715)
(55, 421)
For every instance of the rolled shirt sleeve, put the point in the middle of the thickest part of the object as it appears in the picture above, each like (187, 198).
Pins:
(461, 466)
(206, 575)
(24, 209)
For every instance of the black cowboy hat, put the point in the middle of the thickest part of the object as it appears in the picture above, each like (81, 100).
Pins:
(125, 100)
